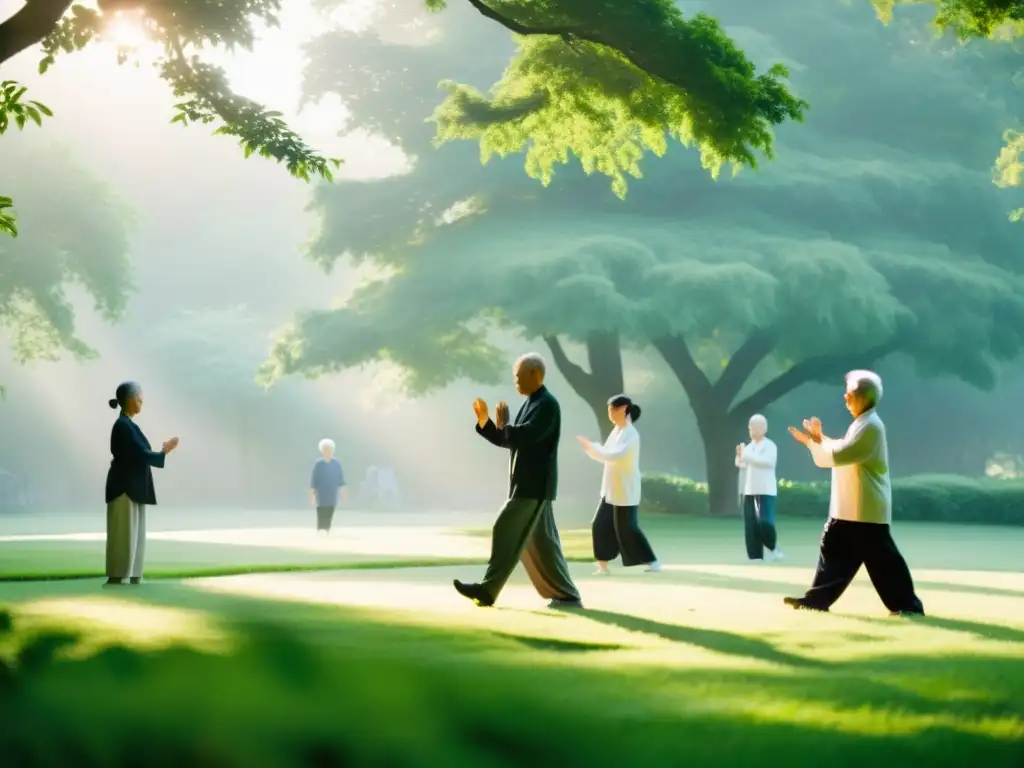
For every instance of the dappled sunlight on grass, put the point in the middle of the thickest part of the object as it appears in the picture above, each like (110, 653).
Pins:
(108, 620)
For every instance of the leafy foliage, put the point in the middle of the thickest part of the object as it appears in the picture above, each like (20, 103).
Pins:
(75, 238)
(606, 81)
(14, 108)
(206, 96)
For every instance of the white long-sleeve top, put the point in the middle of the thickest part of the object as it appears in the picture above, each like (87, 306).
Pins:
(861, 489)
(758, 465)
(620, 454)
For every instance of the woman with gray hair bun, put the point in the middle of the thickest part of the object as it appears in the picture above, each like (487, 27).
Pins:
(129, 486)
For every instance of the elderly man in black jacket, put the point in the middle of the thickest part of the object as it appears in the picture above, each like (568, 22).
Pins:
(525, 529)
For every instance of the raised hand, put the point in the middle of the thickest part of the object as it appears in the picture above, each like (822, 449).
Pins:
(583, 441)
(799, 436)
(480, 409)
(739, 451)
(170, 445)
(501, 415)
(812, 427)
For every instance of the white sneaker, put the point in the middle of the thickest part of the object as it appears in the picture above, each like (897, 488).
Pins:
(654, 567)
(602, 572)
(778, 554)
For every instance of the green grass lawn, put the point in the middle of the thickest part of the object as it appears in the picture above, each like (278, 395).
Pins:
(698, 665)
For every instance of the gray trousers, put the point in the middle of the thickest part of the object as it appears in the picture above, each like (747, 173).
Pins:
(525, 531)
(126, 538)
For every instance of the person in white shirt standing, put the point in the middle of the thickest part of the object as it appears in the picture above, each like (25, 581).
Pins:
(757, 459)
(616, 525)
(860, 510)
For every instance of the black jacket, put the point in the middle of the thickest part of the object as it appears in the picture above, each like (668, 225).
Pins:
(533, 441)
(131, 468)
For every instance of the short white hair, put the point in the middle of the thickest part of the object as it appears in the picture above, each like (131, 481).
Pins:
(757, 418)
(533, 360)
(865, 383)
(326, 444)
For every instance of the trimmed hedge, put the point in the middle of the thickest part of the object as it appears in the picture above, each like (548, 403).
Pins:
(936, 498)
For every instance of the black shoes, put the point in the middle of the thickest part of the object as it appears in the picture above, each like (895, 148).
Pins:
(474, 592)
(800, 603)
(565, 605)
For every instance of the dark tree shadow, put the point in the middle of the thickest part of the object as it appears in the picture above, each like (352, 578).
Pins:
(562, 646)
(970, 589)
(710, 639)
(989, 631)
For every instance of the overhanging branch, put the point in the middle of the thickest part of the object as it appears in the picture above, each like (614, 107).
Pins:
(676, 353)
(808, 370)
(29, 26)
(741, 365)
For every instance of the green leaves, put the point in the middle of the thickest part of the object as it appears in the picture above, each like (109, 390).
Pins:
(14, 107)
(606, 82)
(8, 223)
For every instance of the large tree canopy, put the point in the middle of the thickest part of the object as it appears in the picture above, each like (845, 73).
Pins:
(1000, 20)
(876, 232)
(74, 234)
(625, 75)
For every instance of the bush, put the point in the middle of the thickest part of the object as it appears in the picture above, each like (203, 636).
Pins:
(936, 498)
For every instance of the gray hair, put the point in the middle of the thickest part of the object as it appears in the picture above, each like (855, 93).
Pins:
(325, 444)
(126, 390)
(533, 360)
(757, 418)
(867, 384)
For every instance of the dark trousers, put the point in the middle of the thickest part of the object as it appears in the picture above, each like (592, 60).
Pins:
(615, 531)
(324, 517)
(525, 531)
(759, 525)
(845, 546)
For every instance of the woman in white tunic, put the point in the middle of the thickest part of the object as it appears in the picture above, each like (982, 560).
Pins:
(616, 526)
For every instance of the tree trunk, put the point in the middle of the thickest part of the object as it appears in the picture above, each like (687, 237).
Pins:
(605, 379)
(720, 432)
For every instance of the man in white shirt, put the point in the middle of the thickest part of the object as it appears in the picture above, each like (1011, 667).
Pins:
(860, 510)
(758, 487)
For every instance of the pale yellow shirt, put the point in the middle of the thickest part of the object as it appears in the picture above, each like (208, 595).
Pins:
(861, 489)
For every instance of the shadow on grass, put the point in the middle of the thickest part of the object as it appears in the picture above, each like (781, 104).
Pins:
(373, 694)
(561, 646)
(969, 589)
(710, 639)
(996, 632)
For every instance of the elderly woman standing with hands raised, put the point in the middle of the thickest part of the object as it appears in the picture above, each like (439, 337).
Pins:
(129, 487)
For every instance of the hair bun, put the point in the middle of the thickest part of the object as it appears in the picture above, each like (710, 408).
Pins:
(634, 412)
(112, 402)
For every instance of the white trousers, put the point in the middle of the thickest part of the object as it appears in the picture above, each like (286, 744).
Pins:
(126, 538)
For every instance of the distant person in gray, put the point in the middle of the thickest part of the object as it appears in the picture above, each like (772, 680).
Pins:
(326, 485)
(860, 510)
(525, 530)
(130, 487)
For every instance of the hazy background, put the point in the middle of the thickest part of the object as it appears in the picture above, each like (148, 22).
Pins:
(218, 249)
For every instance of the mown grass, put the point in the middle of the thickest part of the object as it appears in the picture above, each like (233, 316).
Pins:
(699, 665)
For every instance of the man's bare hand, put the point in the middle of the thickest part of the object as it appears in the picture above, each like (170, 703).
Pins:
(480, 409)
(812, 427)
(799, 436)
(501, 415)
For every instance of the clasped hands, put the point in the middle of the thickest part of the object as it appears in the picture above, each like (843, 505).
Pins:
(170, 445)
(501, 414)
(811, 431)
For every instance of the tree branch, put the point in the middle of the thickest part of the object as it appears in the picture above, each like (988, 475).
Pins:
(578, 379)
(680, 78)
(742, 363)
(808, 370)
(29, 26)
(679, 358)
